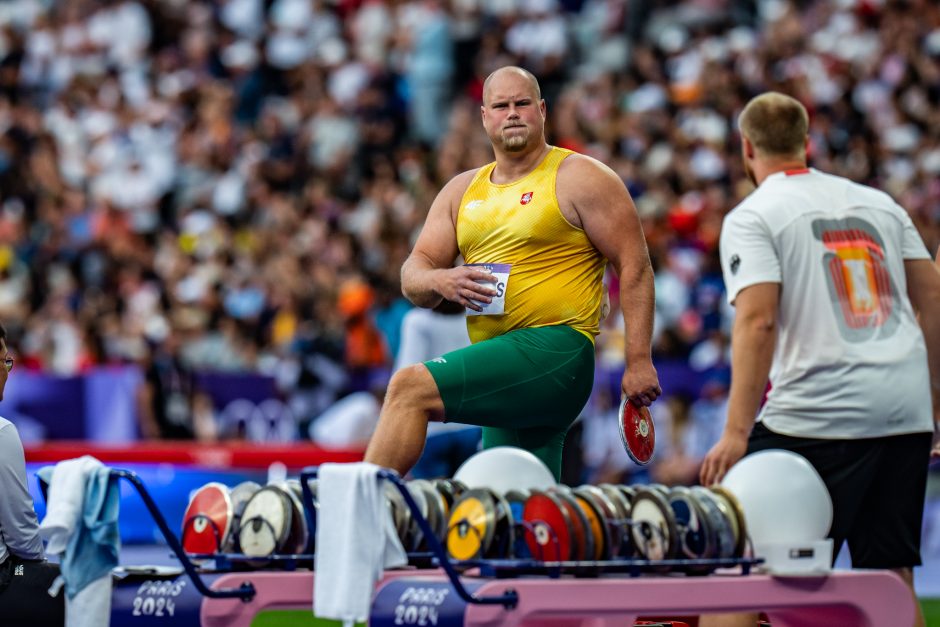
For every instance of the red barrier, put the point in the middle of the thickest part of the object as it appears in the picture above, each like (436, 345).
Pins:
(228, 455)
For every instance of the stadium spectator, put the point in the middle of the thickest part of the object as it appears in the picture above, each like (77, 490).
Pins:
(170, 404)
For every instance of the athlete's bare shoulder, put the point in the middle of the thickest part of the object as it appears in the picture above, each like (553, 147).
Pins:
(584, 182)
(453, 191)
(584, 164)
(457, 186)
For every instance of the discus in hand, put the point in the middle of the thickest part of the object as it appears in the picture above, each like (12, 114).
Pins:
(636, 432)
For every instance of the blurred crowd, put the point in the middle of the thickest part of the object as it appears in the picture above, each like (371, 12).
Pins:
(234, 184)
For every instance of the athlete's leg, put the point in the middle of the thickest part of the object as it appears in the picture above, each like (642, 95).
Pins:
(411, 401)
(528, 378)
(907, 574)
(888, 532)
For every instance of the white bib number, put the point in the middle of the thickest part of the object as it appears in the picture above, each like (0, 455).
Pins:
(498, 305)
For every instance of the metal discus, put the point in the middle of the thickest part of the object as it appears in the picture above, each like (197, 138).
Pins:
(636, 432)
(597, 528)
(721, 526)
(621, 521)
(548, 527)
(695, 539)
(654, 526)
(208, 519)
(240, 495)
(437, 510)
(734, 513)
(266, 522)
(472, 525)
(582, 538)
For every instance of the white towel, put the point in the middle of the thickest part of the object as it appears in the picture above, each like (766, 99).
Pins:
(355, 541)
(65, 517)
(92, 606)
(65, 500)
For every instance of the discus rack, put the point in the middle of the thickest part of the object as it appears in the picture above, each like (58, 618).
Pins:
(436, 558)
(509, 568)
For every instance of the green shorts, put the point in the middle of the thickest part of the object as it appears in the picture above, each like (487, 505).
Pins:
(525, 388)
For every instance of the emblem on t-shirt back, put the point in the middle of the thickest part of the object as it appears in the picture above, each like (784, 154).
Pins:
(858, 275)
(735, 264)
(526, 198)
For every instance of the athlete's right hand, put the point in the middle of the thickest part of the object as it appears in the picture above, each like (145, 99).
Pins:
(725, 454)
(466, 285)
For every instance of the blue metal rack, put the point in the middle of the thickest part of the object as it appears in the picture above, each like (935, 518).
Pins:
(245, 592)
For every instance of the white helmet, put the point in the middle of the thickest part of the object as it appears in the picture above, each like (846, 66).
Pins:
(783, 497)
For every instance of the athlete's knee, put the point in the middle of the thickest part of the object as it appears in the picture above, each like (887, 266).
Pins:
(414, 388)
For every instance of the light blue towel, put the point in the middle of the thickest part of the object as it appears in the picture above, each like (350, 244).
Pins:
(93, 549)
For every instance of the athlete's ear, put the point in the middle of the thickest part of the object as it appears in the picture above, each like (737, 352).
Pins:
(747, 147)
(542, 107)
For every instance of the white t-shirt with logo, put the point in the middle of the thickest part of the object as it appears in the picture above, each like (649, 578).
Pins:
(850, 360)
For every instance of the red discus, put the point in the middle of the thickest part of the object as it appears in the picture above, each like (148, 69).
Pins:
(549, 532)
(207, 519)
(636, 432)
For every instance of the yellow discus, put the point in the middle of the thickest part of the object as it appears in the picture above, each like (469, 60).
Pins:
(470, 527)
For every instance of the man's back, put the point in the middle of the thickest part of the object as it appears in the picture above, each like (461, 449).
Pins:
(851, 359)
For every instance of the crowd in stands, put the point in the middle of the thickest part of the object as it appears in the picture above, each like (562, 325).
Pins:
(238, 181)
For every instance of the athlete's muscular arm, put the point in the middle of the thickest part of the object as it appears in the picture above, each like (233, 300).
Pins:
(593, 197)
(427, 276)
(753, 340)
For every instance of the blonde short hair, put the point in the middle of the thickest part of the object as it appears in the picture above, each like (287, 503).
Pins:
(776, 124)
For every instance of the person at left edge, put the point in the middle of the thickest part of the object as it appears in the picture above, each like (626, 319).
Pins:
(25, 575)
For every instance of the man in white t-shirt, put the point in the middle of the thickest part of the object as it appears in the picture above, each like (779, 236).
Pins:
(828, 279)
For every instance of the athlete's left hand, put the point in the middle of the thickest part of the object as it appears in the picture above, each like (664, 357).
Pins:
(640, 384)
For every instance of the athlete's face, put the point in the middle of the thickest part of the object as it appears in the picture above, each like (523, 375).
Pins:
(513, 115)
